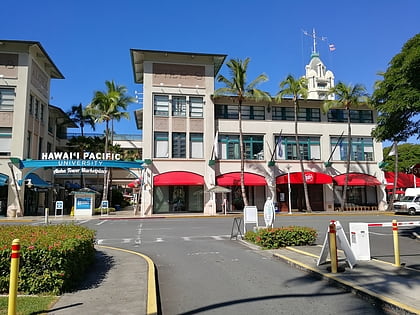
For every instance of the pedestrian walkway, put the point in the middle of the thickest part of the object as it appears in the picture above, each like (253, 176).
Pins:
(120, 282)
(392, 288)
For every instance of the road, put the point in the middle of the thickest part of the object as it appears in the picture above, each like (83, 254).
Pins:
(201, 271)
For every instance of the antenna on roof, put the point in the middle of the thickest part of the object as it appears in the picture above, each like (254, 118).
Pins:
(314, 38)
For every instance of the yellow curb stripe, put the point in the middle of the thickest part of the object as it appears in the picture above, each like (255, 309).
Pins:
(301, 252)
(351, 285)
(151, 307)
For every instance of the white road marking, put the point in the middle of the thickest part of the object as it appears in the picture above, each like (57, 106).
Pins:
(101, 222)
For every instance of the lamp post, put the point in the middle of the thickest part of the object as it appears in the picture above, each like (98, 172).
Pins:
(288, 166)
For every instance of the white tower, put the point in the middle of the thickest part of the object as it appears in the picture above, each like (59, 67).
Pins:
(320, 80)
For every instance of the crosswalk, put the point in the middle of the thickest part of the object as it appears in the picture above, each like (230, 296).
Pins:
(109, 241)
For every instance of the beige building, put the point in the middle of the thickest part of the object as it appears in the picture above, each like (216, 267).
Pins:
(191, 142)
(28, 125)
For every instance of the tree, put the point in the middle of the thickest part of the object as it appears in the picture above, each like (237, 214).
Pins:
(408, 155)
(106, 107)
(80, 117)
(236, 85)
(397, 99)
(397, 96)
(297, 89)
(347, 97)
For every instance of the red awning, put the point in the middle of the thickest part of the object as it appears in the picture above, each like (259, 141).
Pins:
(403, 181)
(234, 179)
(311, 178)
(178, 179)
(397, 192)
(357, 179)
(135, 183)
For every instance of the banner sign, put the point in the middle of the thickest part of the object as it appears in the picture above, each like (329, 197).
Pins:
(80, 163)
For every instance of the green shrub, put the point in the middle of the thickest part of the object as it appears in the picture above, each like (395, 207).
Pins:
(280, 237)
(97, 211)
(53, 258)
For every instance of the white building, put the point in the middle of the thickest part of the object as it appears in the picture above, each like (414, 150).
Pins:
(180, 119)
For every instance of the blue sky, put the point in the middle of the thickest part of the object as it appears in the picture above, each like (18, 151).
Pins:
(90, 41)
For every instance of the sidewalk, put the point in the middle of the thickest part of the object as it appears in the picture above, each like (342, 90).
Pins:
(120, 282)
(392, 288)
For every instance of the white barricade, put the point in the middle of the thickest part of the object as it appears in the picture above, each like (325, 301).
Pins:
(359, 236)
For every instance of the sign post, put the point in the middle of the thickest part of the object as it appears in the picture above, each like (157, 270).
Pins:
(104, 207)
(59, 205)
(250, 216)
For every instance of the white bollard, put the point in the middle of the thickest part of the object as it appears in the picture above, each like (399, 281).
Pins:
(46, 216)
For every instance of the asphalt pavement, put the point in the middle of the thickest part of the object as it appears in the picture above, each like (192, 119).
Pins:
(123, 281)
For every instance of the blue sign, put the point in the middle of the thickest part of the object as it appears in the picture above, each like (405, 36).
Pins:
(80, 163)
(83, 202)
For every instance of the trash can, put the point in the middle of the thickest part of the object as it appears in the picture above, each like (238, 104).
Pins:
(117, 207)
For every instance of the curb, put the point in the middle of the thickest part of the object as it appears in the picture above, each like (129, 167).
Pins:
(151, 305)
(381, 301)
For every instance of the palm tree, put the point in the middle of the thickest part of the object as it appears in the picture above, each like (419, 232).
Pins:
(297, 88)
(236, 85)
(346, 97)
(80, 117)
(106, 107)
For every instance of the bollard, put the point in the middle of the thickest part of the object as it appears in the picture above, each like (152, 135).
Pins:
(46, 216)
(14, 272)
(333, 246)
(396, 243)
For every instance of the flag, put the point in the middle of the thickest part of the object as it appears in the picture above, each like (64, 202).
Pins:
(280, 149)
(393, 150)
(216, 145)
(331, 47)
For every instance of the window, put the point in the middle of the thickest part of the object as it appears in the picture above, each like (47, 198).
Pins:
(31, 104)
(41, 116)
(196, 146)
(362, 149)
(5, 141)
(304, 114)
(49, 147)
(196, 107)
(249, 112)
(253, 112)
(310, 148)
(7, 99)
(40, 144)
(230, 147)
(179, 106)
(36, 108)
(253, 147)
(356, 116)
(227, 112)
(161, 145)
(29, 142)
(283, 113)
(161, 105)
(178, 145)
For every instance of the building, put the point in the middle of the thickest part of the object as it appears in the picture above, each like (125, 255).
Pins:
(191, 142)
(29, 125)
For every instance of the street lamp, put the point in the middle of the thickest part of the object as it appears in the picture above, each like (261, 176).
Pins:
(288, 166)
